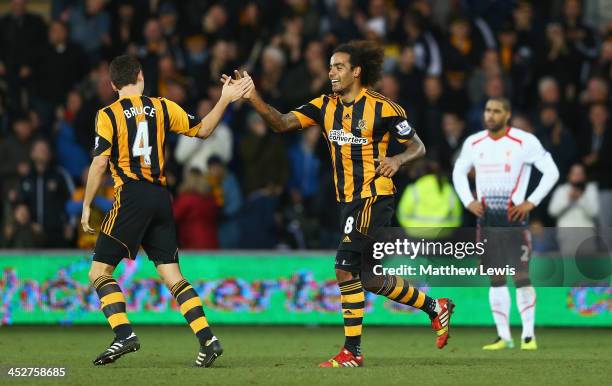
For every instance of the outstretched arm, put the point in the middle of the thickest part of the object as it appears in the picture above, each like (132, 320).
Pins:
(277, 121)
(229, 93)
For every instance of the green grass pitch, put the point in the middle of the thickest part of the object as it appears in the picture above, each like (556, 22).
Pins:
(289, 355)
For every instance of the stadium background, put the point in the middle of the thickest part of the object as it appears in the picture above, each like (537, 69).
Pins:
(248, 189)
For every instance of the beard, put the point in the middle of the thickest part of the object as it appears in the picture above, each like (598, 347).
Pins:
(339, 90)
(496, 127)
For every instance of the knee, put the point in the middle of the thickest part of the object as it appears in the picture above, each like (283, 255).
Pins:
(169, 275)
(342, 275)
(96, 271)
(371, 282)
(370, 286)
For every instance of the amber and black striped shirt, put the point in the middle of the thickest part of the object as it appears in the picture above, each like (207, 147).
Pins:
(357, 135)
(132, 132)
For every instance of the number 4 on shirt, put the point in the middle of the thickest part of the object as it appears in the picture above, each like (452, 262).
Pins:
(141, 146)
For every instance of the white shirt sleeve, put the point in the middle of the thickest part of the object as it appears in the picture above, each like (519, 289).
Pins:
(463, 164)
(186, 148)
(542, 160)
(559, 201)
(589, 201)
(223, 143)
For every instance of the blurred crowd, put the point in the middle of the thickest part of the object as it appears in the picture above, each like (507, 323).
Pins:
(246, 187)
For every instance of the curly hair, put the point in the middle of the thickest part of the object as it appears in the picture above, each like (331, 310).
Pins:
(367, 55)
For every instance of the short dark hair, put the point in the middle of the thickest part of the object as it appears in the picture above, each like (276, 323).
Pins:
(367, 55)
(124, 70)
(504, 101)
(215, 160)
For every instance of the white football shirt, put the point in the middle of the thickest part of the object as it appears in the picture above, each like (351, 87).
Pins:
(503, 167)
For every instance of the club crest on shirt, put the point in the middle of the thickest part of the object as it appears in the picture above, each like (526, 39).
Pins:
(362, 125)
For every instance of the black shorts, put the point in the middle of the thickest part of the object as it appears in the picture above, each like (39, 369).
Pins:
(506, 246)
(359, 219)
(141, 215)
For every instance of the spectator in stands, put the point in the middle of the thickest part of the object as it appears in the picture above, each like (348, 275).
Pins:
(90, 28)
(168, 21)
(100, 94)
(195, 153)
(431, 110)
(558, 59)
(575, 205)
(101, 204)
(602, 67)
(389, 87)
(226, 191)
(522, 121)
(265, 167)
(581, 37)
(307, 79)
(461, 51)
(168, 74)
(21, 232)
(272, 65)
(305, 167)
(290, 40)
(45, 191)
(22, 34)
(453, 135)
(58, 68)
(598, 13)
(70, 154)
(195, 62)
(596, 91)
(264, 158)
(149, 52)
(196, 213)
(489, 67)
(221, 60)
(14, 157)
(597, 157)
(557, 139)
(125, 28)
(215, 23)
(426, 48)
(410, 79)
(341, 25)
(250, 28)
(526, 33)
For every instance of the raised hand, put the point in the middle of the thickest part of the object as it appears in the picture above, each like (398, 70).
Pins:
(234, 90)
(238, 77)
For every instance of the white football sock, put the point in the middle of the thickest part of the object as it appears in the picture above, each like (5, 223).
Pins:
(525, 302)
(499, 299)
